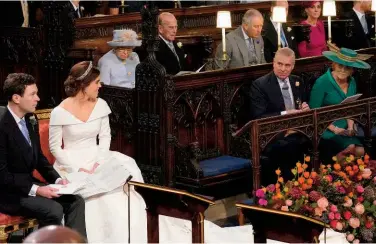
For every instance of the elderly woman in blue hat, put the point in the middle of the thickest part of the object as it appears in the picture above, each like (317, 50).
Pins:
(118, 66)
(332, 88)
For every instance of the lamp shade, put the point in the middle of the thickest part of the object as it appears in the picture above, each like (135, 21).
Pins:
(374, 5)
(279, 14)
(329, 8)
(223, 19)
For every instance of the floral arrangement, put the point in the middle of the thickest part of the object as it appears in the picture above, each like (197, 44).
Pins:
(342, 195)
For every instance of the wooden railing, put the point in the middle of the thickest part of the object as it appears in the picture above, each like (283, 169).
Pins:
(312, 124)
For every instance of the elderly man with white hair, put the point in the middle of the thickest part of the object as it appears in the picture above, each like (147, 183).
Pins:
(244, 45)
(118, 66)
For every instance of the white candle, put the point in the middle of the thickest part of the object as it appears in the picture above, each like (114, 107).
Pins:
(223, 40)
(330, 28)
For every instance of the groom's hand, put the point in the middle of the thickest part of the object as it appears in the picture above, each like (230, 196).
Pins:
(47, 192)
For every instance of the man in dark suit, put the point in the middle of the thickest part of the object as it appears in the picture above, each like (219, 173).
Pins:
(270, 34)
(169, 54)
(364, 26)
(20, 155)
(280, 93)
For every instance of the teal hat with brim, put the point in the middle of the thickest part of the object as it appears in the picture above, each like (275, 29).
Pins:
(346, 57)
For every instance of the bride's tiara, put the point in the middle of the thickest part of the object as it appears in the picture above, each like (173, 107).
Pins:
(86, 72)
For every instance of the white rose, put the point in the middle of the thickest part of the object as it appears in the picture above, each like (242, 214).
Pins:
(292, 37)
(179, 44)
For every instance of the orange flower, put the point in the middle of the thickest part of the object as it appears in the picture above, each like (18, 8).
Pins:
(346, 198)
(306, 174)
(322, 166)
(296, 183)
(305, 166)
(324, 171)
(280, 179)
(313, 174)
(351, 173)
(337, 166)
(309, 181)
(348, 168)
(298, 164)
(307, 159)
(277, 186)
(278, 171)
(304, 187)
(366, 157)
(351, 194)
(279, 196)
(359, 177)
(355, 167)
(300, 170)
(264, 189)
(359, 161)
(301, 180)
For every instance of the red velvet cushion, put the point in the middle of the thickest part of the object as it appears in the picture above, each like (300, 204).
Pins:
(7, 219)
(44, 143)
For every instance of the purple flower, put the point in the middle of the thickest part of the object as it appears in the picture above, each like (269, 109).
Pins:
(260, 193)
(341, 189)
(262, 202)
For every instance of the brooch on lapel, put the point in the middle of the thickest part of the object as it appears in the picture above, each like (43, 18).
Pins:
(179, 44)
(297, 83)
(289, 29)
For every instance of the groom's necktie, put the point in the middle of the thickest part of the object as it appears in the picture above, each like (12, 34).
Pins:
(25, 131)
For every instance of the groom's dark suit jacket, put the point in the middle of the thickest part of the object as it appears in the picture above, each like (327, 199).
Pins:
(17, 162)
(266, 96)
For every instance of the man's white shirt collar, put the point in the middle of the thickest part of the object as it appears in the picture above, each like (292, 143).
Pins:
(246, 37)
(167, 42)
(359, 14)
(16, 118)
(74, 6)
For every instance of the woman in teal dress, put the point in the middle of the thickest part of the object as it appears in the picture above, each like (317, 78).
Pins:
(332, 88)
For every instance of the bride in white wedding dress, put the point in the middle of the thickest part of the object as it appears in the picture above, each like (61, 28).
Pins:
(75, 126)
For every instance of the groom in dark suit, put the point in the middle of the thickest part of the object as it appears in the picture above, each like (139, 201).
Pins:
(20, 155)
(280, 93)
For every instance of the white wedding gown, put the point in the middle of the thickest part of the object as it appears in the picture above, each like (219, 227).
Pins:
(106, 214)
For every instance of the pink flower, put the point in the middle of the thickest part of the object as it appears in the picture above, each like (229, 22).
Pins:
(339, 226)
(350, 237)
(331, 216)
(347, 215)
(260, 193)
(333, 224)
(360, 199)
(374, 202)
(366, 173)
(337, 215)
(359, 189)
(288, 202)
(356, 241)
(374, 179)
(354, 222)
(348, 203)
(368, 225)
(359, 208)
(318, 212)
(262, 202)
(323, 203)
(285, 208)
(270, 188)
(333, 208)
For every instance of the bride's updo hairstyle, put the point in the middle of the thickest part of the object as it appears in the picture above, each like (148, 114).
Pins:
(80, 77)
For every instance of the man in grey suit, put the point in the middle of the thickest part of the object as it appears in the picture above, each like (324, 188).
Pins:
(244, 45)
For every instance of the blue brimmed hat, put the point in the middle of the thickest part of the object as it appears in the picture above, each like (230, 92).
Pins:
(124, 38)
(347, 57)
